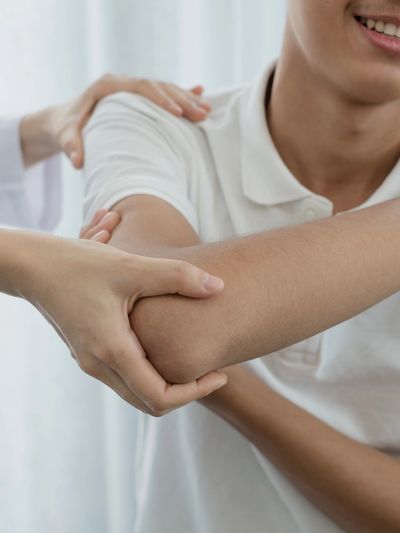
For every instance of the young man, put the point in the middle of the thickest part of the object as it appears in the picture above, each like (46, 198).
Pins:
(315, 136)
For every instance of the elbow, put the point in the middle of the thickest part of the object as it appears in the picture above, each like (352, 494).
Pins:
(173, 339)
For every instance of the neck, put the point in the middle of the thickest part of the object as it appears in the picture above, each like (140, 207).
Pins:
(335, 146)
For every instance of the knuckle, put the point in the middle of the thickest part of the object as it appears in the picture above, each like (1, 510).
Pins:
(155, 414)
(102, 353)
(69, 145)
(88, 366)
(105, 77)
(182, 268)
(157, 408)
(142, 84)
(107, 357)
(102, 86)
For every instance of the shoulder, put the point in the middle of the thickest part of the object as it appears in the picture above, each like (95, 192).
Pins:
(131, 107)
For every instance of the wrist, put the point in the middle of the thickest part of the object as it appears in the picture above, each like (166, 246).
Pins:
(26, 263)
(15, 262)
(38, 138)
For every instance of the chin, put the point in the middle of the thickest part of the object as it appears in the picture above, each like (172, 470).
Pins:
(377, 85)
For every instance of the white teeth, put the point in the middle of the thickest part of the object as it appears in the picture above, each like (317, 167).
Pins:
(388, 28)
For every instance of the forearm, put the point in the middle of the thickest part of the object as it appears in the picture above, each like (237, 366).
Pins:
(12, 268)
(357, 486)
(37, 139)
(280, 287)
(20, 253)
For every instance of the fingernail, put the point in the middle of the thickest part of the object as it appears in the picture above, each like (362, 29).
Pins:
(100, 234)
(221, 382)
(176, 108)
(212, 283)
(199, 109)
(107, 217)
(99, 215)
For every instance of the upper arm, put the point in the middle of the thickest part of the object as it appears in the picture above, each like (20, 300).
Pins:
(134, 148)
(151, 226)
(136, 164)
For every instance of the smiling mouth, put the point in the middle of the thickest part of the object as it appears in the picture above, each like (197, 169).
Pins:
(379, 26)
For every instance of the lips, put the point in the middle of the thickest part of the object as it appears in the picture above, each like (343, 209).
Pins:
(381, 31)
(390, 29)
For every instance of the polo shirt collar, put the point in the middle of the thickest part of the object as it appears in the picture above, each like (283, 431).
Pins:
(266, 180)
(389, 189)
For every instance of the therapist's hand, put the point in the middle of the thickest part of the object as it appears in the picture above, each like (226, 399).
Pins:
(69, 119)
(101, 226)
(86, 290)
(59, 128)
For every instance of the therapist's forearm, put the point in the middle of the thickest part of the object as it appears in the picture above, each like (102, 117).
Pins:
(17, 250)
(280, 286)
(357, 486)
(38, 141)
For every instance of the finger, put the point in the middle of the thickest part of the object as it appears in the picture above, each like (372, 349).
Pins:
(109, 222)
(99, 215)
(179, 395)
(76, 156)
(198, 93)
(95, 220)
(146, 383)
(167, 276)
(154, 92)
(73, 146)
(193, 109)
(201, 102)
(197, 90)
(102, 236)
(98, 370)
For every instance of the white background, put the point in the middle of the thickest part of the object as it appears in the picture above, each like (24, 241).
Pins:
(66, 444)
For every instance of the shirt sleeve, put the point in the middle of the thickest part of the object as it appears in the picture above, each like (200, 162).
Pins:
(132, 147)
(28, 198)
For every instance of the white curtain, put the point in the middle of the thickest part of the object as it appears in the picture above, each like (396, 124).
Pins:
(67, 443)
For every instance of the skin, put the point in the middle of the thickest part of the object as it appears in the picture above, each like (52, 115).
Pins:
(59, 128)
(100, 285)
(333, 113)
(357, 486)
(280, 286)
(343, 137)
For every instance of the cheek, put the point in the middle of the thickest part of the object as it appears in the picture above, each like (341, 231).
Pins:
(318, 27)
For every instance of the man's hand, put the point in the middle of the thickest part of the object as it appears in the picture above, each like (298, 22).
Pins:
(59, 128)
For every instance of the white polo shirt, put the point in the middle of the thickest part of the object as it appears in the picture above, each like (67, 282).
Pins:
(195, 474)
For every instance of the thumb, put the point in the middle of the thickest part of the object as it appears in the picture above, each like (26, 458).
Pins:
(72, 144)
(168, 276)
(76, 155)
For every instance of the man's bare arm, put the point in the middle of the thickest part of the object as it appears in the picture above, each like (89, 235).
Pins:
(357, 486)
(281, 286)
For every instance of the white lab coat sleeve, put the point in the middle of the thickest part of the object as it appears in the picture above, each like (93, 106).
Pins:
(28, 198)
